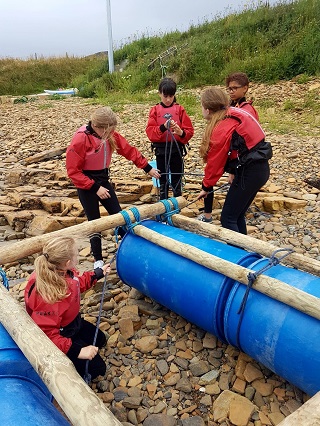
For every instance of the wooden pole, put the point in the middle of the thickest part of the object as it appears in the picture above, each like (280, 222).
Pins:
(296, 260)
(307, 415)
(82, 406)
(272, 287)
(34, 244)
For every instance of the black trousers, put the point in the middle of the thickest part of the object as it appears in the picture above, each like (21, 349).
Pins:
(85, 337)
(247, 182)
(173, 164)
(90, 203)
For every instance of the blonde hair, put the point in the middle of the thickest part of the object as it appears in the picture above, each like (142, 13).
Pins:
(106, 119)
(217, 102)
(50, 284)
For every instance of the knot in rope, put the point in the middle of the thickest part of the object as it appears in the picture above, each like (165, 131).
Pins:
(167, 215)
(128, 227)
(4, 278)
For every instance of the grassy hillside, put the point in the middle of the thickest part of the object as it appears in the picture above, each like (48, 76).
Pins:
(268, 43)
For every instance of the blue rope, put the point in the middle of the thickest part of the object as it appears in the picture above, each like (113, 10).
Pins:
(5, 281)
(128, 227)
(252, 276)
(87, 375)
(166, 216)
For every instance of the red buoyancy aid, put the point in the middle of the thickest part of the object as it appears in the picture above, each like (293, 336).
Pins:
(98, 157)
(170, 113)
(249, 128)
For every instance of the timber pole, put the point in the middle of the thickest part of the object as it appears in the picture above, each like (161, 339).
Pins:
(33, 245)
(269, 286)
(307, 415)
(248, 243)
(81, 405)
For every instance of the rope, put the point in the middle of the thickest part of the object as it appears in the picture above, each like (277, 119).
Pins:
(166, 216)
(129, 225)
(5, 281)
(87, 375)
(252, 276)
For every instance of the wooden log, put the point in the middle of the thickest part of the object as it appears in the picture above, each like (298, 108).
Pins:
(44, 155)
(33, 245)
(307, 415)
(272, 287)
(296, 260)
(81, 405)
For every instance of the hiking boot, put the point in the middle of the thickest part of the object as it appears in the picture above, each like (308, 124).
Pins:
(204, 219)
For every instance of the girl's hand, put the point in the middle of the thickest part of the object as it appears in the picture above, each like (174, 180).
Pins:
(154, 173)
(230, 178)
(176, 129)
(106, 269)
(203, 194)
(88, 352)
(103, 193)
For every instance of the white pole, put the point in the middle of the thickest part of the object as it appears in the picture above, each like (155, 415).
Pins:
(110, 44)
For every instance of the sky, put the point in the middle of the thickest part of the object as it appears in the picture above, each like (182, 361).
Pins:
(46, 28)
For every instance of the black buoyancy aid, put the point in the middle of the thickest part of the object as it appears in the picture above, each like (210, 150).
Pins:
(248, 140)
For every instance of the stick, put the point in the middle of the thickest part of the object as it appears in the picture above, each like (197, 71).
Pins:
(272, 287)
(34, 245)
(82, 406)
(296, 260)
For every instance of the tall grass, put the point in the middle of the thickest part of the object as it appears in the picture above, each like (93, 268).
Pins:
(268, 43)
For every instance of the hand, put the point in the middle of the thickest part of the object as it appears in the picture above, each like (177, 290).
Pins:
(176, 128)
(106, 268)
(154, 173)
(230, 178)
(88, 352)
(203, 194)
(103, 193)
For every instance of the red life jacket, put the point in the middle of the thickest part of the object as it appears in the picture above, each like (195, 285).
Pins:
(249, 128)
(98, 157)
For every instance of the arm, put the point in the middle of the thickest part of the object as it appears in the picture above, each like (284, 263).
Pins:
(154, 130)
(185, 129)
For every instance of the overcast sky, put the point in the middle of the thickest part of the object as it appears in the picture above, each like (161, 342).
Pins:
(79, 27)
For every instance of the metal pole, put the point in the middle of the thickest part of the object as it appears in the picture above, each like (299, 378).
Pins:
(110, 44)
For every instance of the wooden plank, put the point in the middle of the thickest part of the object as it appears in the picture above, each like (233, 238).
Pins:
(307, 415)
(269, 286)
(248, 243)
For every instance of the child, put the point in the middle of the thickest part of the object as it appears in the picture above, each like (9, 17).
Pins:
(88, 160)
(52, 299)
(169, 128)
(233, 141)
(237, 85)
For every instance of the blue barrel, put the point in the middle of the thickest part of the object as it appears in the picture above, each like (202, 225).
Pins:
(23, 403)
(285, 340)
(155, 182)
(14, 363)
(191, 290)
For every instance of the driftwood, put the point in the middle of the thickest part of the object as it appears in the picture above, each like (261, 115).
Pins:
(33, 245)
(307, 415)
(296, 260)
(272, 287)
(44, 155)
(82, 406)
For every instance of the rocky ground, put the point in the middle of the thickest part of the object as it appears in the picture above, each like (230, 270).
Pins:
(162, 370)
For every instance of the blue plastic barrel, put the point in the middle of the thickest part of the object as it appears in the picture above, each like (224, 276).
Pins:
(282, 338)
(14, 363)
(191, 290)
(23, 403)
(155, 182)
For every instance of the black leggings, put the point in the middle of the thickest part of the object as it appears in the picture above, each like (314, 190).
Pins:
(247, 182)
(175, 166)
(85, 336)
(90, 203)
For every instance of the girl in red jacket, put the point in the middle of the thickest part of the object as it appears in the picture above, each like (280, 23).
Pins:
(234, 142)
(88, 160)
(52, 299)
(237, 85)
(169, 128)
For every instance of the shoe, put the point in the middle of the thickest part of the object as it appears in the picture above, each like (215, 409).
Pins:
(98, 264)
(204, 219)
